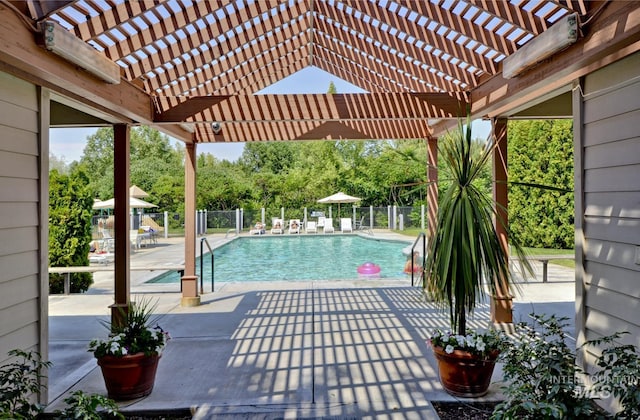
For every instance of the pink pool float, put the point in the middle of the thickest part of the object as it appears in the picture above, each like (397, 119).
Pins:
(369, 269)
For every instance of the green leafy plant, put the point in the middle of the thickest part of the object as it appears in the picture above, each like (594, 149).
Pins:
(20, 383)
(619, 374)
(82, 406)
(137, 333)
(466, 248)
(540, 372)
(70, 208)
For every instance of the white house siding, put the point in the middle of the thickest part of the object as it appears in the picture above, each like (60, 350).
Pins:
(607, 128)
(22, 190)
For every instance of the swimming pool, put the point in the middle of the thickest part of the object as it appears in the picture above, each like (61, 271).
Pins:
(300, 257)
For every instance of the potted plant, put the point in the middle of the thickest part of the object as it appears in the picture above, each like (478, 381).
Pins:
(465, 254)
(129, 356)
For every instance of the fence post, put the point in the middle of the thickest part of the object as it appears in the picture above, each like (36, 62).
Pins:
(354, 215)
(401, 222)
(389, 217)
(282, 214)
(166, 224)
(241, 218)
(371, 217)
(262, 215)
(422, 217)
(237, 220)
(205, 222)
(395, 216)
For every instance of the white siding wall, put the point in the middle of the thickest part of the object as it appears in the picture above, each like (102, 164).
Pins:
(21, 192)
(608, 139)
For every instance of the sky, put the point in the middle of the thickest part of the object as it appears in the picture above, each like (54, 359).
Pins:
(68, 143)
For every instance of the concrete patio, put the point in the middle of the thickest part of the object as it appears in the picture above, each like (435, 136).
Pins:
(347, 349)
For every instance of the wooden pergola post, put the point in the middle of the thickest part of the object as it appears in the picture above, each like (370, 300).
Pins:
(121, 164)
(502, 303)
(190, 296)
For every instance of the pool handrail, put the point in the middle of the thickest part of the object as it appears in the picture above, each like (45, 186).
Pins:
(202, 242)
(424, 258)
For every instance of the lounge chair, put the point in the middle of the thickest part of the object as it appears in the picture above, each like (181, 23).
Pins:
(345, 225)
(294, 226)
(321, 221)
(311, 227)
(104, 258)
(258, 229)
(277, 226)
(328, 225)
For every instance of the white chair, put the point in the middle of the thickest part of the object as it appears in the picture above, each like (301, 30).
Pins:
(328, 225)
(277, 226)
(258, 229)
(294, 226)
(311, 227)
(321, 221)
(345, 225)
(108, 242)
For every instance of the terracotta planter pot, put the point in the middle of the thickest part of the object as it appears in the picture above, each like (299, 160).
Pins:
(463, 374)
(129, 377)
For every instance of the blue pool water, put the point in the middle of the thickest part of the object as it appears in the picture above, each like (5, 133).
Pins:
(316, 257)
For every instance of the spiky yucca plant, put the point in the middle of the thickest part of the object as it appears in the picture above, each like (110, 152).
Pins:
(466, 249)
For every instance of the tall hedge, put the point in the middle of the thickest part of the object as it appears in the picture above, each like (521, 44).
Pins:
(540, 156)
(70, 210)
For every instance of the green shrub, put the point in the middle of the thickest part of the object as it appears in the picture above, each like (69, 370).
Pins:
(619, 374)
(540, 371)
(20, 385)
(89, 407)
(543, 381)
(70, 209)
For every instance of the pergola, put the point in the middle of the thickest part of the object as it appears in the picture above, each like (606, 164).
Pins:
(192, 68)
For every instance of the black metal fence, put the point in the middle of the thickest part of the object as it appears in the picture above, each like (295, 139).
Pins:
(239, 220)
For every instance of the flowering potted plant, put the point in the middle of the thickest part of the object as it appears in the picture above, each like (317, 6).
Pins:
(465, 250)
(129, 356)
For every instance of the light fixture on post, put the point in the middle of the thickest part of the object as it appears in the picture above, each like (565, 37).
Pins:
(64, 44)
(558, 37)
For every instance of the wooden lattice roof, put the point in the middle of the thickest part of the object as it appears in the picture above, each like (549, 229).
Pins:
(203, 61)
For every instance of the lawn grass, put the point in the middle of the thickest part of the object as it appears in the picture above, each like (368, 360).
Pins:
(414, 232)
(549, 251)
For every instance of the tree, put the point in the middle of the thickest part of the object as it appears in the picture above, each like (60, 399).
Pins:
(58, 164)
(540, 156)
(70, 203)
(221, 185)
(97, 159)
(153, 160)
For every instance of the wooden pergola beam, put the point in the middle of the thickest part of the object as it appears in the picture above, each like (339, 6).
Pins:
(314, 130)
(21, 56)
(274, 37)
(314, 107)
(610, 36)
(365, 32)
